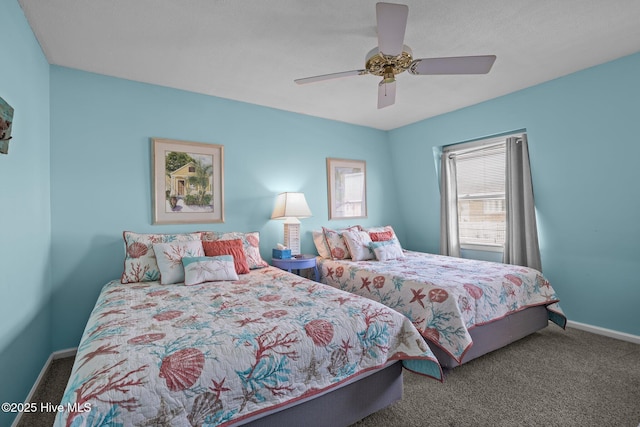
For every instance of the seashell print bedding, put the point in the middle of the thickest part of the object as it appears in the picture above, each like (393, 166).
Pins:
(220, 352)
(445, 296)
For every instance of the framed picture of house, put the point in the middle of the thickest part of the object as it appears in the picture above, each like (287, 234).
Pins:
(188, 182)
(347, 188)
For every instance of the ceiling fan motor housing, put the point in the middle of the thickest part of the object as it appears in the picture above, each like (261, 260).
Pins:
(387, 66)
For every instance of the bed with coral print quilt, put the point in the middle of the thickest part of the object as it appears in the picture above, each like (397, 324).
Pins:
(445, 297)
(221, 352)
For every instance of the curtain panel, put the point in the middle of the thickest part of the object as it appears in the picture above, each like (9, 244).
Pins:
(521, 239)
(449, 236)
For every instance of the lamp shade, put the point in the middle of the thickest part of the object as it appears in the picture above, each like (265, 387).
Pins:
(291, 205)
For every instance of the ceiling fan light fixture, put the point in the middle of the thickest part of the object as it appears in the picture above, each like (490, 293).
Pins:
(389, 75)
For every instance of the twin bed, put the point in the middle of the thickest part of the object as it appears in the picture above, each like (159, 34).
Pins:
(269, 348)
(463, 308)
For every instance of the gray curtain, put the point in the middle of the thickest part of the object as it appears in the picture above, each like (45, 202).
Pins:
(449, 237)
(521, 240)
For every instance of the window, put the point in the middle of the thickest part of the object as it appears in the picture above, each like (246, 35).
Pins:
(486, 200)
(480, 185)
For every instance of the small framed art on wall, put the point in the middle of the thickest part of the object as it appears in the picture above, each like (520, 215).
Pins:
(347, 188)
(6, 119)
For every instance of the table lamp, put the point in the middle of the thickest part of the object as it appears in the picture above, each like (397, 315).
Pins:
(290, 207)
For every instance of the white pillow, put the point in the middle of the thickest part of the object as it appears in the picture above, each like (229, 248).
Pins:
(358, 244)
(169, 257)
(208, 269)
(387, 249)
(321, 244)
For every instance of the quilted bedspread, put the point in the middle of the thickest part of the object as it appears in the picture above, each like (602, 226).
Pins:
(445, 296)
(222, 352)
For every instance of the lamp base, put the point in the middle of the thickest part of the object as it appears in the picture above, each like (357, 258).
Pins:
(292, 237)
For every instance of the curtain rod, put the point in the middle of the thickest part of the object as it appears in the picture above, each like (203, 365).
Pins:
(478, 145)
(473, 150)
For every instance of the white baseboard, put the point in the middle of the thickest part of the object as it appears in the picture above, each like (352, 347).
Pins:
(603, 331)
(55, 355)
(61, 354)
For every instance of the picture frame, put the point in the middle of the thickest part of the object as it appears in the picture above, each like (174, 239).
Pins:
(347, 188)
(188, 182)
(6, 120)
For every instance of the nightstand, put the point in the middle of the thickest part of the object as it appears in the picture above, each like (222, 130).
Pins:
(297, 264)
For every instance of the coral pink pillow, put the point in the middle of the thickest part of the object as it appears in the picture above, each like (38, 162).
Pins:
(228, 247)
(250, 242)
(381, 236)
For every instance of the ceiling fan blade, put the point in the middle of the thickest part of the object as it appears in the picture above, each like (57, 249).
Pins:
(453, 65)
(392, 23)
(330, 76)
(386, 94)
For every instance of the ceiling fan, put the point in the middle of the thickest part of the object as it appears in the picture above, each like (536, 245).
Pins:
(392, 57)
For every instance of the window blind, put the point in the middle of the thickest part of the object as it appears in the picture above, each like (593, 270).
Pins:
(480, 175)
(481, 172)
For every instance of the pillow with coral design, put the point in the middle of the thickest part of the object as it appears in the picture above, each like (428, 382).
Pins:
(337, 246)
(140, 259)
(169, 257)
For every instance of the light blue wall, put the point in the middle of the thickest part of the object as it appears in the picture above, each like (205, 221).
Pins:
(101, 174)
(25, 232)
(78, 174)
(585, 150)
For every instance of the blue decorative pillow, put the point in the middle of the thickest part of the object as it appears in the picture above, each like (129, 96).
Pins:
(208, 269)
(387, 249)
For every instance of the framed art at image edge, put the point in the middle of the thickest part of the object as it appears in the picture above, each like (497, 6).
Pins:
(6, 120)
(188, 182)
(347, 188)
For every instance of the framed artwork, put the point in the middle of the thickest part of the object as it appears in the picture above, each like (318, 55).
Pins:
(347, 182)
(6, 119)
(188, 182)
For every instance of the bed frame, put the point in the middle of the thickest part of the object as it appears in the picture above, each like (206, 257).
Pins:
(497, 334)
(343, 406)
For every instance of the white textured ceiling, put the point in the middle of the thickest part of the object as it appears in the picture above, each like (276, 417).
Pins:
(252, 50)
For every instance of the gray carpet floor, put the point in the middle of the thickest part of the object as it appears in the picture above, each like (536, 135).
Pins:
(550, 378)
